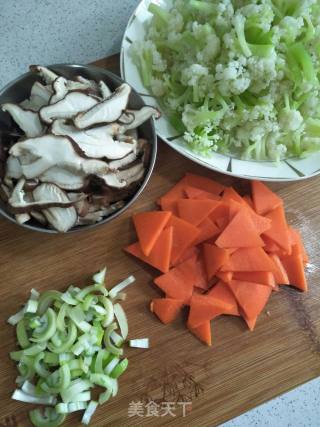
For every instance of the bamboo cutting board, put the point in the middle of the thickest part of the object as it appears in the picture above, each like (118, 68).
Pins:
(241, 369)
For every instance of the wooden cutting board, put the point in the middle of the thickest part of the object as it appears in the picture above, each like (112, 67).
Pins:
(241, 369)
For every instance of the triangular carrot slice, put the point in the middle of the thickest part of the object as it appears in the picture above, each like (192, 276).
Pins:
(279, 232)
(261, 277)
(214, 259)
(201, 280)
(249, 259)
(167, 309)
(191, 252)
(160, 254)
(250, 322)
(230, 193)
(280, 274)
(294, 267)
(195, 211)
(169, 205)
(178, 283)
(222, 223)
(297, 242)
(221, 211)
(260, 222)
(221, 292)
(225, 276)
(251, 297)
(240, 233)
(248, 201)
(204, 308)
(203, 183)
(149, 226)
(269, 245)
(196, 193)
(264, 200)
(184, 235)
(208, 230)
(176, 192)
(203, 332)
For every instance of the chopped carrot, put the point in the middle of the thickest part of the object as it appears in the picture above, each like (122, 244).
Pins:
(262, 277)
(203, 183)
(279, 271)
(207, 230)
(195, 193)
(175, 193)
(233, 236)
(269, 245)
(214, 259)
(161, 253)
(294, 267)
(249, 259)
(203, 332)
(222, 292)
(178, 283)
(204, 308)
(184, 235)
(279, 232)
(248, 200)
(222, 223)
(230, 193)
(195, 211)
(201, 280)
(149, 226)
(264, 200)
(221, 211)
(192, 251)
(250, 322)
(296, 240)
(261, 223)
(252, 297)
(167, 309)
(225, 276)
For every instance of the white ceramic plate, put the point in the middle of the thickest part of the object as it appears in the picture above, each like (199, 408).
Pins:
(287, 170)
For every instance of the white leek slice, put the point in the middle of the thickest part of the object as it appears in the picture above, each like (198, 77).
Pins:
(118, 288)
(139, 343)
(89, 412)
(111, 365)
(13, 320)
(21, 396)
(100, 276)
(116, 338)
(122, 320)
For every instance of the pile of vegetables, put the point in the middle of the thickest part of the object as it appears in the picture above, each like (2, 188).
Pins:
(237, 76)
(68, 346)
(220, 252)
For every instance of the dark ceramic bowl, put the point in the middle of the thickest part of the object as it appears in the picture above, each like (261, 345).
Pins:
(19, 89)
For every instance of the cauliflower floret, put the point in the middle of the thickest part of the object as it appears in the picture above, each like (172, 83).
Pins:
(262, 71)
(232, 78)
(191, 75)
(290, 120)
(157, 87)
(290, 28)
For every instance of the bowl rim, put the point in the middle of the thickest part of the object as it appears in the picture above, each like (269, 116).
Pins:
(118, 80)
(193, 156)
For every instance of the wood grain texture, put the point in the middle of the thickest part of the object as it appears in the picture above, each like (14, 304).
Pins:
(240, 371)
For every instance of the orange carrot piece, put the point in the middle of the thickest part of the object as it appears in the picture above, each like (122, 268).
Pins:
(208, 230)
(149, 226)
(261, 277)
(225, 276)
(222, 292)
(195, 211)
(240, 233)
(249, 259)
(252, 297)
(203, 183)
(264, 200)
(196, 193)
(248, 200)
(230, 193)
(294, 267)
(161, 253)
(222, 223)
(175, 193)
(221, 211)
(200, 275)
(191, 252)
(184, 235)
(280, 274)
(214, 259)
(261, 223)
(269, 245)
(296, 240)
(279, 232)
(251, 322)
(204, 308)
(203, 332)
(167, 309)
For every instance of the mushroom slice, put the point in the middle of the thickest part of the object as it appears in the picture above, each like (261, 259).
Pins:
(132, 174)
(13, 168)
(97, 142)
(126, 119)
(22, 218)
(63, 178)
(141, 116)
(72, 104)
(39, 217)
(125, 161)
(21, 202)
(60, 90)
(51, 150)
(111, 179)
(104, 90)
(47, 75)
(27, 120)
(43, 92)
(82, 83)
(62, 219)
(107, 111)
